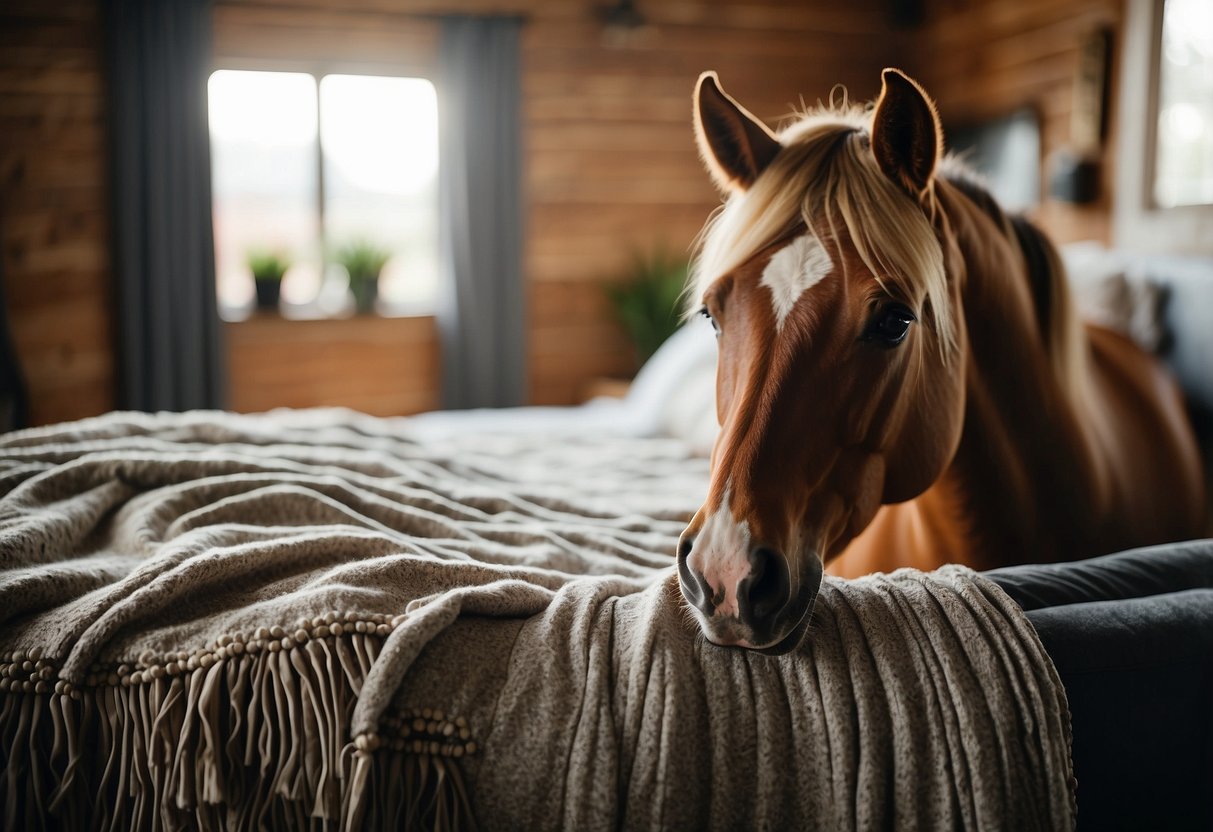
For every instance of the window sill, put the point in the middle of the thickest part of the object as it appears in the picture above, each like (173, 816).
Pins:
(237, 315)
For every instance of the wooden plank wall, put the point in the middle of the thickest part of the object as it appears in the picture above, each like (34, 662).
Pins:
(54, 204)
(985, 58)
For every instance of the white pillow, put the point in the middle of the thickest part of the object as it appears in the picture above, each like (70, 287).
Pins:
(675, 391)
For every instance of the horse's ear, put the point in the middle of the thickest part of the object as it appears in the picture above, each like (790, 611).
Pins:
(907, 139)
(735, 145)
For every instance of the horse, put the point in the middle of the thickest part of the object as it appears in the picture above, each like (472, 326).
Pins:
(903, 380)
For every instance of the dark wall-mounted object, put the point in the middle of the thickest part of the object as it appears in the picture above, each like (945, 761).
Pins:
(1074, 178)
(623, 14)
(906, 14)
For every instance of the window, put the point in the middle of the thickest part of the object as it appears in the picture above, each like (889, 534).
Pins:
(1164, 155)
(304, 167)
(1184, 167)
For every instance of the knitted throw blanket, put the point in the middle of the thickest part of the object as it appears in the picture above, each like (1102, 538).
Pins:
(311, 619)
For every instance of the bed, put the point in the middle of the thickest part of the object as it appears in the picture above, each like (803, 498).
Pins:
(326, 620)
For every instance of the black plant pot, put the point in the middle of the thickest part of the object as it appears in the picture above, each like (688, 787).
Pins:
(366, 292)
(267, 293)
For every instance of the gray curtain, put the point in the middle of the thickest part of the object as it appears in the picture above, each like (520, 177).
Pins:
(481, 313)
(158, 59)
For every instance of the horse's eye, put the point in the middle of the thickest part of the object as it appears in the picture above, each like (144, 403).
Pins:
(890, 326)
(705, 313)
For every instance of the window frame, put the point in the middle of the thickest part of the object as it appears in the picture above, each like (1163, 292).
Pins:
(318, 70)
(1140, 223)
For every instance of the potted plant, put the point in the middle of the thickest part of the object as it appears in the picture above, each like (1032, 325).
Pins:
(646, 300)
(267, 267)
(363, 261)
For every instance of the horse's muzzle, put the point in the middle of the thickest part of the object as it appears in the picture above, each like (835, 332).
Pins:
(756, 611)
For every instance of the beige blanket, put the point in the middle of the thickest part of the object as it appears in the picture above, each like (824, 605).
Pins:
(309, 618)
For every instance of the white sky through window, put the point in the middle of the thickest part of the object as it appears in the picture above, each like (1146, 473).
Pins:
(265, 108)
(381, 133)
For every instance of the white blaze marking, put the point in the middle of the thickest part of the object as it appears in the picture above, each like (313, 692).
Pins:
(795, 269)
(722, 554)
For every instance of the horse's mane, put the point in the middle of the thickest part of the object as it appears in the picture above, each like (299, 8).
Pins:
(1056, 317)
(826, 178)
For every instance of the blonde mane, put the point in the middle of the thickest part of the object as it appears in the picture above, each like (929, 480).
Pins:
(826, 178)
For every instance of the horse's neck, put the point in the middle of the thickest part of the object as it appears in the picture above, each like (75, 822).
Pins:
(1025, 463)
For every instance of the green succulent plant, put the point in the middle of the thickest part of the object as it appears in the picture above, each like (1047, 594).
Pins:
(267, 265)
(363, 261)
(646, 300)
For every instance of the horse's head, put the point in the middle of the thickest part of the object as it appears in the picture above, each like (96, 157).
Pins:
(840, 378)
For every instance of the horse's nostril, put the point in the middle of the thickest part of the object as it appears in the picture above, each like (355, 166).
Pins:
(694, 587)
(769, 585)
